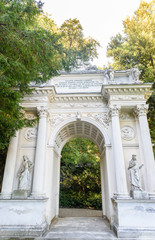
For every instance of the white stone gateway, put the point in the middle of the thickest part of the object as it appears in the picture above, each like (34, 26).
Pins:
(107, 107)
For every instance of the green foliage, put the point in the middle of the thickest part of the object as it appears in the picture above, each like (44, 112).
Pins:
(77, 49)
(137, 48)
(32, 49)
(80, 184)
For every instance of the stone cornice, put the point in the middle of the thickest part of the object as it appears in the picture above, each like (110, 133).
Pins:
(118, 92)
(49, 94)
(134, 89)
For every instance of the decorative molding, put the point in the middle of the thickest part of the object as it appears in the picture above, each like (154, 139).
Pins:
(75, 98)
(30, 134)
(127, 92)
(127, 133)
(141, 110)
(38, 99)
(126, 98)
(80, 105)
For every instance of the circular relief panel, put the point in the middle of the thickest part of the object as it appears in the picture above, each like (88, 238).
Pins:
(127, 133)
(30, 134)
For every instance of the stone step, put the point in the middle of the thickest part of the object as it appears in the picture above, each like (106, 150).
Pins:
(80, 228)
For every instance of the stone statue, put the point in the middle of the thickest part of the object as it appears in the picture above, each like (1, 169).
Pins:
(24, 174)
(134, 174)
(109, 74)
(135, 74)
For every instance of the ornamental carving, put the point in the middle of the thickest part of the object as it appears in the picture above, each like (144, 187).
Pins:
(30, 134)
(126, 116)
(127, 133)
(42, 111)
(30, 116)
(114, 110)
(141, 110)
(55, 119)
(102, 118)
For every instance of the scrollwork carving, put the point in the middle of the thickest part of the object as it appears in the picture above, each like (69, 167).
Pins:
(141, 110)
(55, 119)
(102, 118)
(114, 110)
(42, 111)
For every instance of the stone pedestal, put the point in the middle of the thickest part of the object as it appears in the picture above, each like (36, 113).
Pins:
(20, 194)
(25, 217)
(134, 218)
(139, 195)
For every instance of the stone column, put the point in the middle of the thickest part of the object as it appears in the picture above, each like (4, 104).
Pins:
(39, 167)
(9, 170)
(147, 150)
(121, 183)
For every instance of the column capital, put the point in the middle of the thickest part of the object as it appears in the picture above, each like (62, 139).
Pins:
(141, 110)
(114, 110)
(42, 111)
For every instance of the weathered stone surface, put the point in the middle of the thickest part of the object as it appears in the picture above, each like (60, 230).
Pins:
(19, 194)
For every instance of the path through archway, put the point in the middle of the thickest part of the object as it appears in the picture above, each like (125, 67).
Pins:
(80, 129)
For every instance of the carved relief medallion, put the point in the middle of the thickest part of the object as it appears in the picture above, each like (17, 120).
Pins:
(127, 133)
(30, 134)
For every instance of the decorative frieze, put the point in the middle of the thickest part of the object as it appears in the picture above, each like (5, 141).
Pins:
(63, 98)
(79, 105)
(102, 118)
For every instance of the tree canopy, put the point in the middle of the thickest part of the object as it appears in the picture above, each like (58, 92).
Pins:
(136, 47)
(33, 49)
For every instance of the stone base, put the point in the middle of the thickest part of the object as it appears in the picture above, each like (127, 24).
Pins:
(22, 217)
(19, 194)
(139, 195)
(23, 231)
(133, 233)
(5, 196)
(134, 218)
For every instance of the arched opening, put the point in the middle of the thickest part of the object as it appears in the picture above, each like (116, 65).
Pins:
(80, 182)
(68, 131)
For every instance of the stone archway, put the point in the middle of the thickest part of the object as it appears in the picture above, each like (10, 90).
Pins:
(83, 129)
(82, 104)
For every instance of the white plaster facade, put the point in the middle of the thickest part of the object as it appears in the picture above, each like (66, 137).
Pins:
(111, 113)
